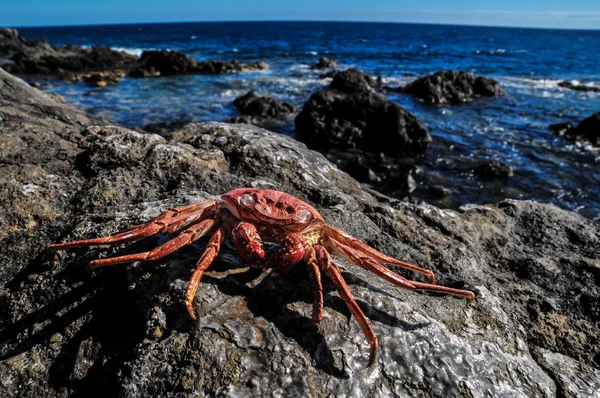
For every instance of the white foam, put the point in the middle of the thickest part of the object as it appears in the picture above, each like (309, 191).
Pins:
(131, 51)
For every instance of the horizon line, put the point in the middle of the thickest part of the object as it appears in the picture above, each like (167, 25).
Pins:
(304, 21)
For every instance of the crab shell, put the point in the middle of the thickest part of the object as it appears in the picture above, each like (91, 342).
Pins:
(273, 208)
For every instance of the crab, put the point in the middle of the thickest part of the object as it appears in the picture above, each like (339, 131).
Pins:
(253, 217)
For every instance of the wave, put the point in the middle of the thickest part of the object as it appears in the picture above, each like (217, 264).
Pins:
(131, 51)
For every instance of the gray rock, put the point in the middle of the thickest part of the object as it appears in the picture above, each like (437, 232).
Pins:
(532, 331)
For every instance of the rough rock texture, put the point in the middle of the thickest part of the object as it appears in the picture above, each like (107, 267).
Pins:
(264, 107)
(39, 57)
(587, 131)
(165, 63)
(532, 331)
(11, 42)
(348, 114)
(452, 87)
(324, 63)
(493, 170)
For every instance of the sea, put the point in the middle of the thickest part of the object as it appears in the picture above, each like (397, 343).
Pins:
(528, 64)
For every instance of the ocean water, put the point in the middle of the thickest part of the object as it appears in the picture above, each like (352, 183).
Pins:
(528, 63)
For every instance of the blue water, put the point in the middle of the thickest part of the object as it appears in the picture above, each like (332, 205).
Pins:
(528, 63)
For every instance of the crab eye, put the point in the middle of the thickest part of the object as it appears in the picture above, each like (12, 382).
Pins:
(247, 200)
(303, 215)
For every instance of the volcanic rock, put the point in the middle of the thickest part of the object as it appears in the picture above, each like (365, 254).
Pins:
(38, 57)
(264, 107)
(578, 87)
(325, 63)
(587, 131)
(124, 332)
(452, 87)
(349, 114)
(493, 170)
(165, 63)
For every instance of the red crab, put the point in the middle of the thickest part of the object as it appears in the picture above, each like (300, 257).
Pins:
(251, 216)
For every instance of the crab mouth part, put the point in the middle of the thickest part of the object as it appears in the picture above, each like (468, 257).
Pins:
(232, 206)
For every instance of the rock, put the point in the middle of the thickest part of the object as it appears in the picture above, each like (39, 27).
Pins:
(264, 107)
(325, 63)
(493, 170)
(561, 128)
(165, 128)
(532, 330)
(219, 67)
(100, 79)
(352, 81)
(452, 87)
(39, 57)
(11, 42)
(164, 63)
(255, 66)
(348, 114)
(578, 87)
(587, 131)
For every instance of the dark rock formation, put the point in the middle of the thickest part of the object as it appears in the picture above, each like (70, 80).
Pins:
(324, 63)
(578, 87)
(124, 332)
(165, 63)
(348, 114)
(452, 87)
(587, 131)
(263, 107)
(493, 170)
(11, 42)
(38, 57)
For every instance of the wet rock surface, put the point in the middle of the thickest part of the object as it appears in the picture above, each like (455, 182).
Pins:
(349, 114)
(167, 63)
(532, 331)
(586, 131)
(579, 87)
(493, 170)
(452, 87)
(263, 107)
(325, 63)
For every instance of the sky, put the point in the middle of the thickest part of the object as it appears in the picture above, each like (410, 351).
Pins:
(572, 14)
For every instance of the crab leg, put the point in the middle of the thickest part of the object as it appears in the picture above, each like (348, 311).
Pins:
(366, 262)
(170, 221)
(332, 270)
(362, 247)
(317, 287)
(212, 249)
(186, 237)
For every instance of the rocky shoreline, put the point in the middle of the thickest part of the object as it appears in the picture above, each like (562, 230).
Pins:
(533, 329)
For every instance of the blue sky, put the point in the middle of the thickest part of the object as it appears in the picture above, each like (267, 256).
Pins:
(575, 14)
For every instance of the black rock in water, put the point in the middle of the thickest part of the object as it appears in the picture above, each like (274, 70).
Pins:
(578, 87)
(493, 170)
(349, 114)
(325, 63)
(452, 87)
(265, 107)
(587, 131)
